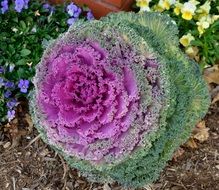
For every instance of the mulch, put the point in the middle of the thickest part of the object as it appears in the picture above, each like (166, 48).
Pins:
(26, 163)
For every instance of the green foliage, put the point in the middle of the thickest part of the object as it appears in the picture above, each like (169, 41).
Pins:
(208, 45)
(23, 33)
(23, 36)
(205, 44)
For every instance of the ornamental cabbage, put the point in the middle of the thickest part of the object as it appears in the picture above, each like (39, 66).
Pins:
(116, 97)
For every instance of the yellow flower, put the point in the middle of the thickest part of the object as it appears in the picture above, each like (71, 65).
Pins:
(192, 52)
(143, 4)
(177, 8)
(204, 9)
(145, 9)
(188, 10)
(214, 18)
(185, 40)
(168, 3)
(194, 2)
(164, 5)
(204, 23)
(158, 8)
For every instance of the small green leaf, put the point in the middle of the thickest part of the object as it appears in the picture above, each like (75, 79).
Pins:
(15, 19)
(29, 19)
(25, 52)
(21, 62)
(22, 24)
(197, 43)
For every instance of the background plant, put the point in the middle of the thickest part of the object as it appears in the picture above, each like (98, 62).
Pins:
(198, 25)
(26, 28)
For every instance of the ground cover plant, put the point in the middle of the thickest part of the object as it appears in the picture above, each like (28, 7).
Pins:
(26, 27)
(117, 96)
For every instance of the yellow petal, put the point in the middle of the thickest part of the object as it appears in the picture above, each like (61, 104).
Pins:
(190, 51)
(142, 3)
(205, 25)
(158, 8)
(184, 41)
(187, 15)
(200, 29)
(194, 2)
(177, 10)
(214, 18)
(166, 5)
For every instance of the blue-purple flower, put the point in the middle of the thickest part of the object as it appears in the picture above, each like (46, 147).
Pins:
(1, 82)
(9, 84)
(4, 5)
(90, 15)
(7, 93)
(11, 104)
(19, 5)
(10, 115)
(26, 4)
(23, 85)
(2, 70)
(77, 13)
(71, 21)
(48, 7)
(73, 10)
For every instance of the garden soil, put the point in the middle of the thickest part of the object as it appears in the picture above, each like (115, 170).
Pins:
(26, 163)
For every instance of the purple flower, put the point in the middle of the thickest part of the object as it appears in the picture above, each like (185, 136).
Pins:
(23, 85)
(48, 7)
(19, 5)
(52, 9)
(11, 104)
(26, 4)
(10, 115)
(77, 13)
(90, 15)
(71, 21)
(1, 82)
(4, 5)
(73, 10)
(9, 84)
(2, 69)
(7, 94)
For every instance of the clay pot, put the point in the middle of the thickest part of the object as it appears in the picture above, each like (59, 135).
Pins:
(102, 7)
